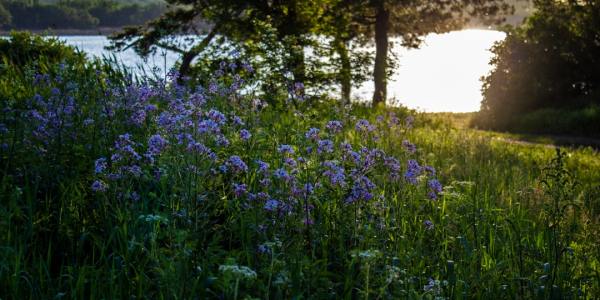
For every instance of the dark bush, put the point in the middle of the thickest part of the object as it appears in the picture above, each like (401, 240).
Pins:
(552, 61)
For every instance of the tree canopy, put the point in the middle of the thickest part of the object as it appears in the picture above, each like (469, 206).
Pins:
(553, 61)
(284, 31)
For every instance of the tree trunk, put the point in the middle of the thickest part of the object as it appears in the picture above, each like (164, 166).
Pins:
(188, 56)
(341, 47)
(382, 20)
(296, 62)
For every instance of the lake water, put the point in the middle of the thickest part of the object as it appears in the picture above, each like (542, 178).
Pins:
(443, 75)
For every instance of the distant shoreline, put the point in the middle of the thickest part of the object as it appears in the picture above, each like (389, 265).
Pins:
(106, 31)
(66, 32)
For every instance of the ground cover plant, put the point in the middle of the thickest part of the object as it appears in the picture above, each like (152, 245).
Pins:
(117, 188)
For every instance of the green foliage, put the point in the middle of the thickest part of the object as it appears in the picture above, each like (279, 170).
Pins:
(23, 54)
(577, 122)
(178, 229)
(551, 62)
(23, 50)
(5, 16)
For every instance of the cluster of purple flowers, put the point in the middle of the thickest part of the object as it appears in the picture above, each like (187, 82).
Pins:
(363, 126)
(217, 116)
(361, 190)
(413, 171)
(237, 164)
(428, 225)
(435, 188)
(240, 189)
(100, 165)
(263, 167)
(334, 127)
(183, 122)
(99, 186)
(282, 174)
(272, 205)
(409, 147)
(393, 165)
(156, 144)
(312, 134)
(245, 135)
(324, 146)
(334, 173)
(285, 149)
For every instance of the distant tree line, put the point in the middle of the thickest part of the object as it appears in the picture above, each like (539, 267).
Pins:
(548, 65)
(76, 14)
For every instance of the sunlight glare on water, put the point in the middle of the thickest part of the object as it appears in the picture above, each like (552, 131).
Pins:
(443, 75)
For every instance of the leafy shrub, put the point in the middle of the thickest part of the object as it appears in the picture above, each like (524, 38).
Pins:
(549, 62)
(23, 50)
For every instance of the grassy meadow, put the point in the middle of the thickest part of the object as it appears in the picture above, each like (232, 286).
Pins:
(115, 188)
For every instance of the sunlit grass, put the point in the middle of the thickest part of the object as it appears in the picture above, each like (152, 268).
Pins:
(513, 220)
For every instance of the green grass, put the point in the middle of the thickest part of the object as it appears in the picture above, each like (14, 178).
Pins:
(563, 124)
(513, 220)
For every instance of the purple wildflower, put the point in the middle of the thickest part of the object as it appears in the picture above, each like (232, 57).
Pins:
(245, 135)
(281, 173)
(238, 121)
(240, 189)
(324, 146)
(435, 187)
(312, 134)
(394, 165)
(223, 169)
(263, 167)
(247, 67)
(298, 90)
(285, 149)
(428, 225)
(134, 170)
(237, 164)
(361, 190)
(99, 186)
(208, 126)
(393, 119)
(431, 285)
(413, 171)
(213, 88)
(363, 126)
(264, 249)
(100, 165)
(150, 107)
(156, 144)
(265, 182)
(222, 141)
(409, 147)
(290, 162)
(217, 116)
(272, 205)
(139, 117)
(334, 126)
(335, 174)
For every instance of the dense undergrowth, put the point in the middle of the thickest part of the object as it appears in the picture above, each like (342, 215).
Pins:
(113, 188)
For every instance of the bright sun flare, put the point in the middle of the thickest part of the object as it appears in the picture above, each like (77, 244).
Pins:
(443, 75)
